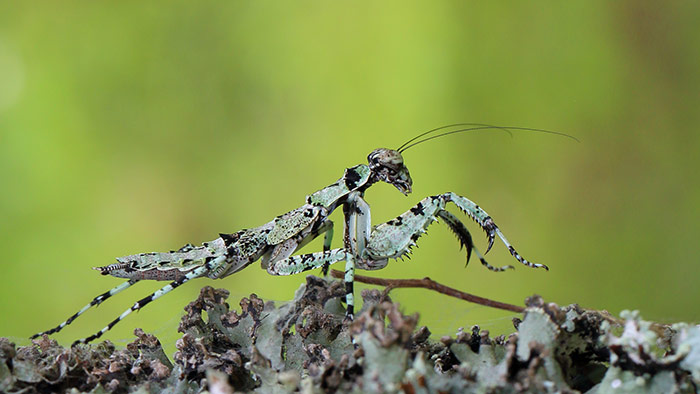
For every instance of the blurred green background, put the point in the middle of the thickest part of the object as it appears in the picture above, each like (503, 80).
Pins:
(129, 127)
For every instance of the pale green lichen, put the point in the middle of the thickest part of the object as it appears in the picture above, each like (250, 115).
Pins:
(307, 345)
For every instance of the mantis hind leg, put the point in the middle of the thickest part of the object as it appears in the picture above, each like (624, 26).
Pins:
(95, 302)
(209, 266)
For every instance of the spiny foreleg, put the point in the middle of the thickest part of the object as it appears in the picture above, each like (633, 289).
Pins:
(484, 220)
(465, 240)
(95, 302)
(209, 266)
(395, 238)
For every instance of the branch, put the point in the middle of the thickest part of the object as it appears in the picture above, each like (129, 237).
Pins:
(427, 283)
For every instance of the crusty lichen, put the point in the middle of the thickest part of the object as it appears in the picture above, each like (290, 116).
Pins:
(307, 345)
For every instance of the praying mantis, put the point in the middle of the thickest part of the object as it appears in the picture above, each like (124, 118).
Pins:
(275, 242)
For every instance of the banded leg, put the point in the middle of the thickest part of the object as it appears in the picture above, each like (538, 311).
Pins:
(214, 264)
(349, 286)
(358, 227)
(95, 302)
(304, 262)
(327, 239)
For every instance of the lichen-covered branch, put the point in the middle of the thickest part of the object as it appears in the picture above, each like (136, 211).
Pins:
(306, 345)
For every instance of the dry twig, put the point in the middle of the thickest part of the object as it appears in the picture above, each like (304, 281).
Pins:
(427, 283)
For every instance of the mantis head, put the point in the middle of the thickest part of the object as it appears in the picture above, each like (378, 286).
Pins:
(387, 165)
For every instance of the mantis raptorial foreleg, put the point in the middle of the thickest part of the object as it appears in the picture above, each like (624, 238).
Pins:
(395, 238)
